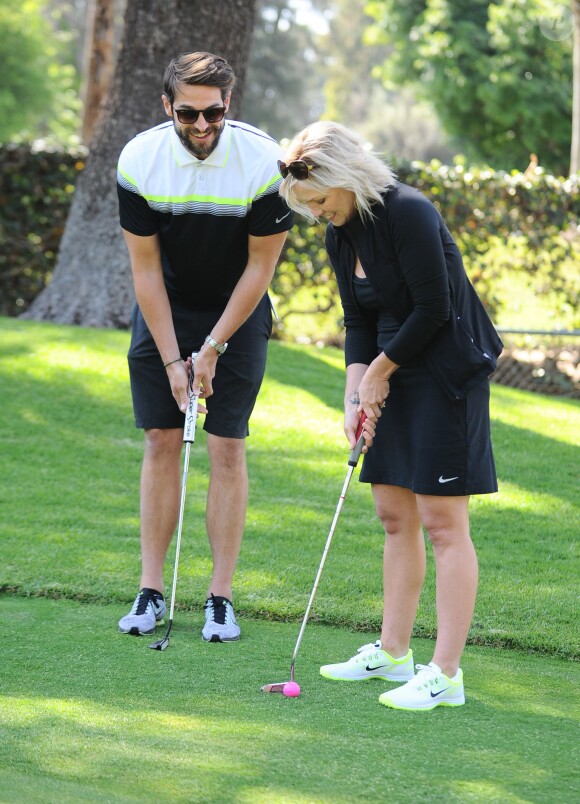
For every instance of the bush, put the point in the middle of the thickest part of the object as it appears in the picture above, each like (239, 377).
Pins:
(37, 188)
(513, 225)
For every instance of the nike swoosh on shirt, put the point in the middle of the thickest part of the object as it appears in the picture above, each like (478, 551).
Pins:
(279, 220)
(447, 479)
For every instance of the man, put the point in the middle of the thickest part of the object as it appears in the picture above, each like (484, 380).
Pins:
(204, 225)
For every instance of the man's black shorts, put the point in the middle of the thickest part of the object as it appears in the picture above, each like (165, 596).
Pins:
(236, 384)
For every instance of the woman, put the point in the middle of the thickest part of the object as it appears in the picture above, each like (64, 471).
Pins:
(419, 350)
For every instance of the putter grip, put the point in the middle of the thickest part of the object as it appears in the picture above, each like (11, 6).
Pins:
(356, 452)
(191, 412)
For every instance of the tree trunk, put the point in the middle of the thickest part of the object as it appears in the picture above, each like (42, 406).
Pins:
(575, 150)
(102, 39)
(92, 283)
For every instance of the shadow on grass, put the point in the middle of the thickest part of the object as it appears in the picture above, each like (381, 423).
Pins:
(89, 713)
(301, 368)
(551, 465)
(69, 507)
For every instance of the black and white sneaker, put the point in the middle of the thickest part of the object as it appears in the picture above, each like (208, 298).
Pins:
(148, 609)
(220, 620)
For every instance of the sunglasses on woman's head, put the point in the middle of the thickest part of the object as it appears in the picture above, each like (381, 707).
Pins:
(189, 116)
(298, 169)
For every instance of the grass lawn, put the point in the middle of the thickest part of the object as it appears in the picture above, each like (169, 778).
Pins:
(89, 715)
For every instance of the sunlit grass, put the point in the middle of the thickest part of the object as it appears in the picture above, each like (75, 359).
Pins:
(71, 463)
(537, 413)
(87, 714)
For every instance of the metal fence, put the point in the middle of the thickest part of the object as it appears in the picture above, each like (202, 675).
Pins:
(547, 361)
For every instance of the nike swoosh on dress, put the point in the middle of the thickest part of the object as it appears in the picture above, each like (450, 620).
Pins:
(447, 479)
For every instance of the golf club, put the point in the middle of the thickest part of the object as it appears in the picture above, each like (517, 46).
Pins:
(290, 688)
(188, 440)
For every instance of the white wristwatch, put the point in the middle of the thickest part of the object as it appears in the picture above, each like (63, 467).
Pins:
(219, 347)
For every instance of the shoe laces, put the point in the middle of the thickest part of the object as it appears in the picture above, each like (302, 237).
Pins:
(427, 675)
(365, 652)
(217, 609)
(145, 599)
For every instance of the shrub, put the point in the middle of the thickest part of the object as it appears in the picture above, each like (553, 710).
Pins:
(37, 188)
(504, 224)
(510, 223)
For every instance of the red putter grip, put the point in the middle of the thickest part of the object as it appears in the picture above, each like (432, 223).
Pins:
(360, 441)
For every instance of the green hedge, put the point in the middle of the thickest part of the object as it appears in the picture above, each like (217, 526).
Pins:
(505, 225)
(502, 223)
(511, 223)
(37, 188)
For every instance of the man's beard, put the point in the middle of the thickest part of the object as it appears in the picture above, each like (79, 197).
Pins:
(200, 150)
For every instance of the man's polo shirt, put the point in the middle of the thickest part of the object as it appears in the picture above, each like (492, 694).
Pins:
(202, 210)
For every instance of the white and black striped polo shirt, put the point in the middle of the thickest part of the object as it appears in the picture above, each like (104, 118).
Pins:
(202, 210)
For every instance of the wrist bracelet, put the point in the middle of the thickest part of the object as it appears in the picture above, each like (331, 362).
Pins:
(177, 360)
(219, 347)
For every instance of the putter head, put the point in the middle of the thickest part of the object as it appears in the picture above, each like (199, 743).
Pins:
(161, 644)
(274, 687)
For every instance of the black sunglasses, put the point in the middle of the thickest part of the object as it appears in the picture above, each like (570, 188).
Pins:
(299, 169)
(189, 116)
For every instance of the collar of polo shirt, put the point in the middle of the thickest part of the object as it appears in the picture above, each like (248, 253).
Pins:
(217, 158)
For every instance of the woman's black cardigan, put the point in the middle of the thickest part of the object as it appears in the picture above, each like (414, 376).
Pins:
(416, 271)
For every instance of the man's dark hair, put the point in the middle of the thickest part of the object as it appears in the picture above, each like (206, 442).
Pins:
(203, 69)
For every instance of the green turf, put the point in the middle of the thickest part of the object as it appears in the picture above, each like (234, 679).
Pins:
(69, 507)
(87, 715)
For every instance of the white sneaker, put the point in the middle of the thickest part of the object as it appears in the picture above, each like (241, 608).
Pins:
(220, 621)
(371, 661)
(429, 688)
(148, 609)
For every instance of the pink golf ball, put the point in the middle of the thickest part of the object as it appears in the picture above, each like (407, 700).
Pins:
(291, 689)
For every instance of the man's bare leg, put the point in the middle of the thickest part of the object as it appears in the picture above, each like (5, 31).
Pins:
(160, 495)
(226, 509)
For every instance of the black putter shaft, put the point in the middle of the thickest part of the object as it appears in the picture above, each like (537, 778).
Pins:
(352, 463)
(188, 440)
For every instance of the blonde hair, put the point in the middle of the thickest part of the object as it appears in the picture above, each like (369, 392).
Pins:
(340, 159)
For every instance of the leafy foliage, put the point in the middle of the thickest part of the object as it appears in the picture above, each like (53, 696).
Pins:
(37, 189)
(392, 118)
(304, 287)
(38, 97)
(510, 223)
(282, 92)
(504, 224)
(498, 84)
